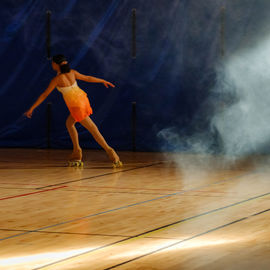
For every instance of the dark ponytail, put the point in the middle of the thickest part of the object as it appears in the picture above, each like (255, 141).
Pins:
(58, 59)
(65, 68)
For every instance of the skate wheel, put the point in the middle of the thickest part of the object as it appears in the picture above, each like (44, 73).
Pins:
(75, 163)
(117, 164)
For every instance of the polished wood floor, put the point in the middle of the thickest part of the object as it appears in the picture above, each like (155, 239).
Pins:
(167, 212)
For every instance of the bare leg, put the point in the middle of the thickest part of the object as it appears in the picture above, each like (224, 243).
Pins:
(77, 151)
(92, 128)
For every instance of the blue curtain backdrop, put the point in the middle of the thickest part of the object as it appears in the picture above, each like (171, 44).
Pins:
(179, 44)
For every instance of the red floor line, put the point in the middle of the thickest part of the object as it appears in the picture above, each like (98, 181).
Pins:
(27, 194)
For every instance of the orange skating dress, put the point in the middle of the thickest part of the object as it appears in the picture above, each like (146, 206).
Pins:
(77, 101)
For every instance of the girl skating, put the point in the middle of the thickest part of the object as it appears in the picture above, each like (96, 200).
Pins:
(78, 105)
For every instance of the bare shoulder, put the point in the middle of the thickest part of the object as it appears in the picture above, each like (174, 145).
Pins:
(73, 71)
(79, 76)
(55, 80)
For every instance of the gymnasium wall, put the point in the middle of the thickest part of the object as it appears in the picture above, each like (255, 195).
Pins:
(179, 78)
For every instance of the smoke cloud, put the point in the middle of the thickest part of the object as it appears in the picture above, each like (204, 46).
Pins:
(240, 108)
(243, 126)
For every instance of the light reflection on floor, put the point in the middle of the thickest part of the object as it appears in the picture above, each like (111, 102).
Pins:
(41, 258)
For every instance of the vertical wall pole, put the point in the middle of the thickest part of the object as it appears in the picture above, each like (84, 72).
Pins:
(134, 126)
(134, 26)
(134, 54)
(48, 34)
(49, 122)
(48, 47)
(222, 31)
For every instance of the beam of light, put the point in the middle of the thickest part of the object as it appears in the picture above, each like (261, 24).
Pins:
(199, 243)
(195, 243)
(122, 251)
(40, 258)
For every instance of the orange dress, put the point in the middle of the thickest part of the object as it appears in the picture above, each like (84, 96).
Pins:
(77, 101)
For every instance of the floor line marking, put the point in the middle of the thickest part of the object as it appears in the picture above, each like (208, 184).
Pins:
(158, 229)
(101, 175)
(113, 192)
(68, 233)
(17, 188)
(20, 184)
(31, 193)
(86, 234)
(152, 189)
(85, 178)
(145, 193)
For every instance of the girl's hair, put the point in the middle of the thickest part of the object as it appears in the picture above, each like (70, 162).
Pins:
(58, 59)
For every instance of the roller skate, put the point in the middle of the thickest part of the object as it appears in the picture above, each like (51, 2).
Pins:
(76, 159)
(117, 164)
(114, 158)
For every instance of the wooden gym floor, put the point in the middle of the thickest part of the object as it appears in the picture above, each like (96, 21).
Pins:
(170, 212)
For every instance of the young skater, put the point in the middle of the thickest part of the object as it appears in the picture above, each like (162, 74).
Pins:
(78, 105)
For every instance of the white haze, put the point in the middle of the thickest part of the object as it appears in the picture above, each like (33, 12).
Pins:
(243, 123)
(244, 126)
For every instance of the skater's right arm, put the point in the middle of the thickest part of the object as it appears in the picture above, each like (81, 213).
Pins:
(86, 78)
(42, 97)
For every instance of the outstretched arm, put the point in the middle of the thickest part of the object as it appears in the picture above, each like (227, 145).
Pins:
(86, 78)
(42, 97)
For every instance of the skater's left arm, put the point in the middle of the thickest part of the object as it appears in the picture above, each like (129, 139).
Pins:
(42, 97)
(91, 79)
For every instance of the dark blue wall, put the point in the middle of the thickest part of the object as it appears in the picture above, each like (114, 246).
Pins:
(178, 48)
